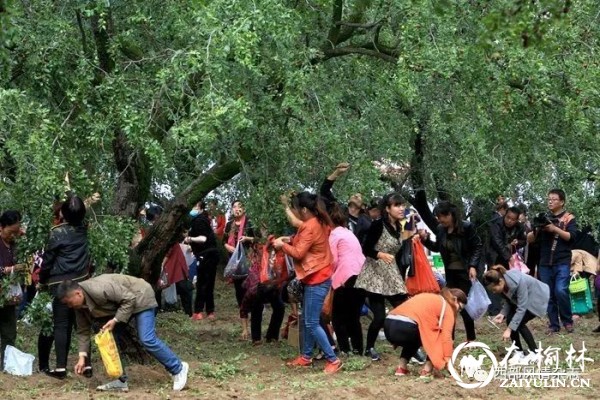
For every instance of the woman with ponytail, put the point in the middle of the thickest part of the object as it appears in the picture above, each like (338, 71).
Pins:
(426, 320)
(313, 265)
(525, 298)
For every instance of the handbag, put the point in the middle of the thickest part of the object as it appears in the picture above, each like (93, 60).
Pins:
(578, 284)
(327, 309)
(404, 259)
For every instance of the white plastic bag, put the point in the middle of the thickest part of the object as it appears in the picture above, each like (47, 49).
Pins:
(17, 363)
(477, 301)
(170, 294)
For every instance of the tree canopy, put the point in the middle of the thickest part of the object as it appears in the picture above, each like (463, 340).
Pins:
(249, 99)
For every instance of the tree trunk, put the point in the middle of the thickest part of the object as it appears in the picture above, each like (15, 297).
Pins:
(167, 230)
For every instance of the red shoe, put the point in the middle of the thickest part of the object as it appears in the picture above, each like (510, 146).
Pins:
(300, 361)
(197, 316)
(331, 367)
(211, 316)
(401, 371)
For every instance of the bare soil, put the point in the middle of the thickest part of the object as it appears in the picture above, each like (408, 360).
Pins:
(224, 367)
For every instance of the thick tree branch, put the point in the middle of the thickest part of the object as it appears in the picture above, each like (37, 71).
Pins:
(343, 51)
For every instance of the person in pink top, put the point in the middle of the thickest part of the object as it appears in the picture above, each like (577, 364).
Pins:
(348, 261)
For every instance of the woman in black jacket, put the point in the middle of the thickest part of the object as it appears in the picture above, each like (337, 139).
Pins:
(461, 251)
(66, 257)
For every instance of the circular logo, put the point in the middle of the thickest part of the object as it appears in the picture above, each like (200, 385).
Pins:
(472, 367)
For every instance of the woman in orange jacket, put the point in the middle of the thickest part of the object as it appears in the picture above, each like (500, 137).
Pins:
(426, 320)
(313, 265)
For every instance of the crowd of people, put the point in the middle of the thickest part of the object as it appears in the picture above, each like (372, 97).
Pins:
(339, 258)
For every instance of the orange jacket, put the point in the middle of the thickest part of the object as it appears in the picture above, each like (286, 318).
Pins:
(310, 249)
(435, 328)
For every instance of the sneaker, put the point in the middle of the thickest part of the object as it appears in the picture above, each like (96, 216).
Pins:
(114, 386)
(331, 367)
(180, 379)
(419, 357)
(56, 374)
(300, 361)
(373, 354)
(569, 328)
(211, 316)
(197, 316)
(87, 372)
(597, 330)
(401, 371)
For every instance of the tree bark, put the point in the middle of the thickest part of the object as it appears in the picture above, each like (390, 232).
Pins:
(168, 228)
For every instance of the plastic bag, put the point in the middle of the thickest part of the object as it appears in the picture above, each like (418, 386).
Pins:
(238, 265)
(17, 363)
(422, 280)
(289, 262)
(477, 301)
(163, 280)
(516, 262)
(109, 353)
(14, 294)
(170, 294)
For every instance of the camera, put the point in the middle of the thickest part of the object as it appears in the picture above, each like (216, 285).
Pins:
(544, 219)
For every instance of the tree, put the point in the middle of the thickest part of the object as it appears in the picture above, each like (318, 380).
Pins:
(254, 99)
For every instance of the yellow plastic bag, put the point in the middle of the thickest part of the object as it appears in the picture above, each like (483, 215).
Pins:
(109, 353)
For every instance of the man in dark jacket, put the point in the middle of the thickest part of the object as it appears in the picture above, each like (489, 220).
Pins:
(507, 235)
(121, 297)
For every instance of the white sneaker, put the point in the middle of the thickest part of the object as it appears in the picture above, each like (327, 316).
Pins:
(180, 379)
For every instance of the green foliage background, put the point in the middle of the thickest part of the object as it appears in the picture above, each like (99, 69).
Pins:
(504, 95)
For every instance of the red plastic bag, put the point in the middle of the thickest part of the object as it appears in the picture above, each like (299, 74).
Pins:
(423, 280)
(273, 267)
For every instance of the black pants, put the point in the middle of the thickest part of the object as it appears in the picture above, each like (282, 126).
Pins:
(403, 334)
(377, 306)
(273, 297)
(64, 321)
(44, 346)
(522, 330)
(205, 283)
(459, 279)
(184, 290)
(8, 329)
(347, 304)
(238, 284)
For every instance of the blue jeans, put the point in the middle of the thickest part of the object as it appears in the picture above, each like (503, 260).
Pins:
(557, 278)
(314, 297)
(146, 327)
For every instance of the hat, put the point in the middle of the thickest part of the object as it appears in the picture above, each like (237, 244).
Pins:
(356, 199)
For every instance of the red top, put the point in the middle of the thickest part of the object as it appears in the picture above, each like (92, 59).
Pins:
(175, 265)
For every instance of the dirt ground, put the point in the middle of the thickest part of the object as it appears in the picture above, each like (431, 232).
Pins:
(224, 367)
